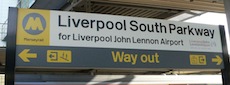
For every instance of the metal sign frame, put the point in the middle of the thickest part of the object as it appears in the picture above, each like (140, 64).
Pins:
(11, 46)
(11, 49)
(225, 72)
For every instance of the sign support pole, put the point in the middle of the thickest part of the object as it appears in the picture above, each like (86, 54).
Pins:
(11, 46)
(225, 72)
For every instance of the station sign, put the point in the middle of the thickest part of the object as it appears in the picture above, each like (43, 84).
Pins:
(58, 39)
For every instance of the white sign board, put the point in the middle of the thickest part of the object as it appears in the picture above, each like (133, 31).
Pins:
(109, 31)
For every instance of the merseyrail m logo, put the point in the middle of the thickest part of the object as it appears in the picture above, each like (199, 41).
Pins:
(34, 23)
(33, 27)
